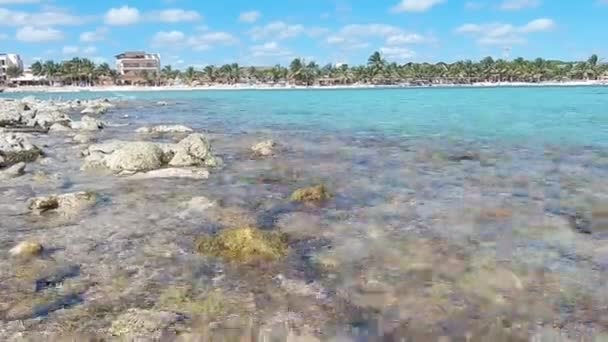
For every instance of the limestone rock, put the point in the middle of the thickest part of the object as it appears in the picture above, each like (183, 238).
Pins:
(162, 129)
(87, 123)
(26, 249)
(83, 138)
(135, 157)
(13, 171)
(194, 150)
(173, 173)
(57, 127)
(265, 148)
(66, 203)
(15, 148)
(94, 110)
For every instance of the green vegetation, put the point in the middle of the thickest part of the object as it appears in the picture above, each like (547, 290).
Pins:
(244, 245)
(377, 71)
(184, 300)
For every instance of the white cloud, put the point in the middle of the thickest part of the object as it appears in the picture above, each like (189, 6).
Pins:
(39, 19)
(31, 34)
(397, 53)
(404, 39)
(249, 17)
(539, 25)
(356, 36)
(415, 5)
(270, 49)
(70, 50)
(276, 30)
(124, 15)
(514, 5)
(207, 40)
(505, 34)
(94, 36)
(171, 38)
(175, 15)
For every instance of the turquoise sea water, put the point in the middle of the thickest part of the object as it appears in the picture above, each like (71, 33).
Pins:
(574, 115)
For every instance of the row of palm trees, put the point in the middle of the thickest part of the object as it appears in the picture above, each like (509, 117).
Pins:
(81, 71)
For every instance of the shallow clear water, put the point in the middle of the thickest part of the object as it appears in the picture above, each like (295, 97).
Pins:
(574, 115)
(450, 217)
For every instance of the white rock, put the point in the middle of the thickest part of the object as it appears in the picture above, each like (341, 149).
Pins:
(135, 156)
(194, 150)
(15, 148)
(83, 138)
(162, 103)
(57, 127)
(264, 148)
(164, 129)
(173, 173)
(66, 203)
(13, 171)
(94, 110)
(87, 123)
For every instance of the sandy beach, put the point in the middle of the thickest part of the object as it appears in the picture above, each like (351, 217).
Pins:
(114, 88)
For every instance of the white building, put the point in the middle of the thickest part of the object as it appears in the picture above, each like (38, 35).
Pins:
(134, 62)
(8, 60)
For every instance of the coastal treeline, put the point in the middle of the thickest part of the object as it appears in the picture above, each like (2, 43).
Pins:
(377, 70)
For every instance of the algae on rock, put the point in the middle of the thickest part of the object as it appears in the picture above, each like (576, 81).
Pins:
(244, 245)
(311, 194)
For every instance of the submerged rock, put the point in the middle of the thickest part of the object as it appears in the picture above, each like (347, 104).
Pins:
(146, 324)
(311, 194)
(135, 157)
(164, 129)
(57, 127)
(265, 148)
(13, 171)
(244, 245)
(95, 109)
(173, 173)
(87, 123)
(16, 148)
(26, 249)
(194, 150)
(67, 203)
(83, 138)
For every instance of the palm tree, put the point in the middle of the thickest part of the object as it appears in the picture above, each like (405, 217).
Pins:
(376, 64)
(189, 74)
(13, 72)
(252, 73)
(296, 69)
(36, 68)
(210, 73)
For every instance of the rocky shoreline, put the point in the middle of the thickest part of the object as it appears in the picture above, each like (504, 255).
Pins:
(163, 232)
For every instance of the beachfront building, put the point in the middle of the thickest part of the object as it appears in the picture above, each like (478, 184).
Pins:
(8, 61)
(138, 67)
(29, 79)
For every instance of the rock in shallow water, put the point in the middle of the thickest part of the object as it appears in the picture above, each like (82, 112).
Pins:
(26, 249)
(66, 203)
(13, 171)
(194, 150)
(87, 123)
(311, 194)
(135, 157)
(16, 148)
(173, 173)
(265, 148)
(244, 245)
(164, 129)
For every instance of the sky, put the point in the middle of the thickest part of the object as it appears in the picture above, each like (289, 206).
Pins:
(266, 32)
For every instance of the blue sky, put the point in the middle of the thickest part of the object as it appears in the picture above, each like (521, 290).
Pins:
(201, 32)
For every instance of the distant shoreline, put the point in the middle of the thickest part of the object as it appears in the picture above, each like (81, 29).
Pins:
(72, 89)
